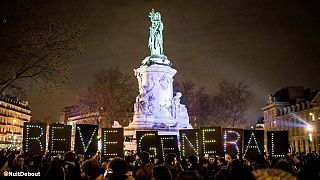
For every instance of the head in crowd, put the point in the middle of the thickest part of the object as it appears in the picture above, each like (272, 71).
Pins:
(204, 162)
(236, 164)
(118, 166)
(212, 160)
(188, 175)
(260, 162)
(145, 157)
(130, 162)
(272, 173)
(69, 156)
(228, 158)
(90, 169)
(3, 164)
(18, 161)
(161, 173)
(286, 166)
(170, 158)
(55, 170)
(193, 159)
(221, 160)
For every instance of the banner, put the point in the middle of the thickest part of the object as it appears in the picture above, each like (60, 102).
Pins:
(232, 140)
(112, 142)
(147, 141)
(167, 144)
(86, 141)
(59, 138)
(211, 140)
(189, 142)
(253, 143)
(34, 138)
(277, 143)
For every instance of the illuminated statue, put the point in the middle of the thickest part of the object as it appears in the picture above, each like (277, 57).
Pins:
(155, 38)
(178, 110)
(157, 106)
(143, 103)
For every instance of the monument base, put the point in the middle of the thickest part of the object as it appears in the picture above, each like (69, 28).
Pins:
(130, 133)
(156, 59)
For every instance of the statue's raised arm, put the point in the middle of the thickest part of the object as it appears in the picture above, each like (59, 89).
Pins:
(155, 39)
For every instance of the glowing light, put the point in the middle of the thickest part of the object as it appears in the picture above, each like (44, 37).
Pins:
(53, 139)
(252, 147)
(105, 142)
(194, 148)
(235, 142)
(37, 138)
(86, 146)
(165, 148)
(273, 147)
(150, 148)
(205, 141)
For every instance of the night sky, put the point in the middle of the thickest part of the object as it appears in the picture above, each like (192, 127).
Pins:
(263, 43)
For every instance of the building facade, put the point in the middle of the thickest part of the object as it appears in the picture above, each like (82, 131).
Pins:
(296, 110)
(13, 114)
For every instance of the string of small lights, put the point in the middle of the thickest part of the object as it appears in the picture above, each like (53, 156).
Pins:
(151, 148)
(205, 141)
(53, 139)
(185, 138)
(37, 139)
(105, 142)
(252, 147)
(235, 142)
(165, 148)
(86, 146)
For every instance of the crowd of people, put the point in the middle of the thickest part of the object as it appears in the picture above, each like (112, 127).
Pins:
(70, 166)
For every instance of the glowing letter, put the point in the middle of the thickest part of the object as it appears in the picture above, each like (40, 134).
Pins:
(86, 146)
(255, 146)
(37, 138)
(235, 142)
(165, 148)
(185, 138)
(53, 139)
(154, 149)
(206, 141)
(109, 143)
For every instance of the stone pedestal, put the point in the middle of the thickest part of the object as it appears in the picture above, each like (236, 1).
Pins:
(156, 105)
(158, 79)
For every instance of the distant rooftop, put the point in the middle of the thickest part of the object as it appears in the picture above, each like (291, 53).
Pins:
(294, 94)
(14, 100)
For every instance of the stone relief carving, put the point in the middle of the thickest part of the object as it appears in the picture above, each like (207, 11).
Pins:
(144, 100)
(164, 82)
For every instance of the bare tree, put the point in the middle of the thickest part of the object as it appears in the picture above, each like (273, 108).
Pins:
(111, 96)
(226, 108)
(34, 49)
(231, 103)
(196, 101)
